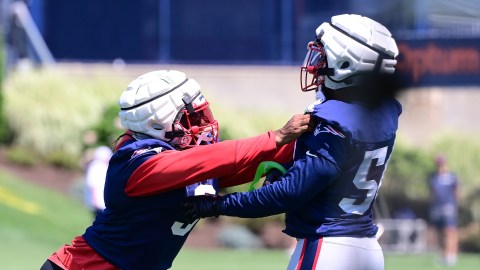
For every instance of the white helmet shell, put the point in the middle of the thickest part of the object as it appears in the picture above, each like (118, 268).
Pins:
(355, 44)
(152, 102)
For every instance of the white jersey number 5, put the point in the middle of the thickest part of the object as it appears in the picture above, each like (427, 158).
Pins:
(179, 228)
(367, 180)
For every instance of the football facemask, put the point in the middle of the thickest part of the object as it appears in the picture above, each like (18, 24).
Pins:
(194, 125)
(315, 67)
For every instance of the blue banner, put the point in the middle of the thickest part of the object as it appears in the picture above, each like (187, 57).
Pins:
(439, 62)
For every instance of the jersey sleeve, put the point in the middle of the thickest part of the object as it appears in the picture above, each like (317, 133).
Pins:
(305, 179)
(170, 169)
(246, 174)
(319, 157)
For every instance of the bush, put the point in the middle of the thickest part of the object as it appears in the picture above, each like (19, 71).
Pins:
(108, 128)
(5, 132)
(22, 156)
(405, 183)
(61, 107)
(62, 159)
(407, 172)
(471, 243)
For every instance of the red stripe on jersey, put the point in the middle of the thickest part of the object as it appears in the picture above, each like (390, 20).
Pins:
(319, 247)
(300, 260)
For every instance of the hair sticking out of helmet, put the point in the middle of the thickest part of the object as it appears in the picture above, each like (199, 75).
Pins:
(168, 106)
(371, 89)
(346, 47)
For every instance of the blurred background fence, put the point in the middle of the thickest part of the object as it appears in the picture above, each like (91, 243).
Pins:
(438, 39)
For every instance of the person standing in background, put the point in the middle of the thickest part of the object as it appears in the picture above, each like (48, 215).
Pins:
(443, 185)
(96, 171)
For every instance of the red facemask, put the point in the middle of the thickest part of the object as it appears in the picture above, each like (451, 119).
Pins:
(195, 126)
(315, 67)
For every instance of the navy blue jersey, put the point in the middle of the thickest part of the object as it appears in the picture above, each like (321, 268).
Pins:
(443, 187)
(443, 200)
(336, 175)
(148, 231)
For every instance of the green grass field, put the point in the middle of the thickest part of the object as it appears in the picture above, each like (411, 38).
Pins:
(36, 221)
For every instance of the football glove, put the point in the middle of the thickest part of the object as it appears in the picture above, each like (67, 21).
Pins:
(273, 175)
(263, 169)
(196, 207)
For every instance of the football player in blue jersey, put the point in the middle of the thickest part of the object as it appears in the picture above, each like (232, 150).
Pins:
(169, 151)
(329, 192)
(443, 187)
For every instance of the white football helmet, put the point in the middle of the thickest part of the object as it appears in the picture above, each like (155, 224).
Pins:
(168, 106)
(346, 47)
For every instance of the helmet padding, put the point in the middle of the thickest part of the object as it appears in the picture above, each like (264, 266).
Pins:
(153, 103)
(353, 45)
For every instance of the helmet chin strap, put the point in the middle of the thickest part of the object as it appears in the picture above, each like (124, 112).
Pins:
(205, 136)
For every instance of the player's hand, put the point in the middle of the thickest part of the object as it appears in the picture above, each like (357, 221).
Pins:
(273, 175)
(196, 207)
(296, 126)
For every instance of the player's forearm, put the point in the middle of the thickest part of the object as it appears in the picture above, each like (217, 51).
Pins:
(174, 169)
(301, 183)
(246, 174)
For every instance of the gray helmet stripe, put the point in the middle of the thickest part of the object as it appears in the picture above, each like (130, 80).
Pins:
(188, 103)
(153, 98)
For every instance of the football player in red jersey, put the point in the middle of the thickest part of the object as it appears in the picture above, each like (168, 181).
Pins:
(170, 151)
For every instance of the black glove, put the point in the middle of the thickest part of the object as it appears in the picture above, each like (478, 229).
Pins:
(196, 207)
(272, 175)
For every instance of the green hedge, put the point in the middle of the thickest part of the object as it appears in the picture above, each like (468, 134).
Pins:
(405, 183)
(49, 111)
(63, 107)
(4, 129)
